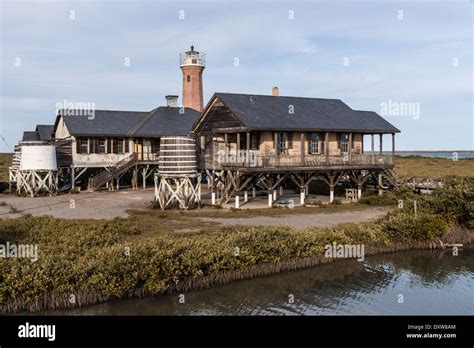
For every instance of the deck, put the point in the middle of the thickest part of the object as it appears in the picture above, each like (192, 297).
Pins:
(283, 163)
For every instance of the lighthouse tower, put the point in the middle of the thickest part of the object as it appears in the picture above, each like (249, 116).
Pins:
(192, 63)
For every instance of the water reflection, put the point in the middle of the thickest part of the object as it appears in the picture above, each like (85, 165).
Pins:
(431, 282)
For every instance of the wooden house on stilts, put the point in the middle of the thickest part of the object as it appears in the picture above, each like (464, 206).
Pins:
(248, 141)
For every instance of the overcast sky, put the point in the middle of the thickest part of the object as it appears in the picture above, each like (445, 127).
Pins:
(368, 54)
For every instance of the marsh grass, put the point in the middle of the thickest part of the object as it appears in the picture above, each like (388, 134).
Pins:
(144, 255)
(422, 167)
(5, 163)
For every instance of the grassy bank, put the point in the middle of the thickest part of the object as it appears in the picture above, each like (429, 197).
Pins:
(5, 163)
(99, 261)
(422, 167)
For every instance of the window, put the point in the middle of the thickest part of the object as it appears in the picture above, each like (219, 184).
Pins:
(344, 142)
(314, 140)
(126, 145)
(84, 145)
(155, 145)
(93, 145)
(118, 146)
(188, 78)
(102, 145)
(282, 143)
(194, 61)
(254, 140)
(289, 140)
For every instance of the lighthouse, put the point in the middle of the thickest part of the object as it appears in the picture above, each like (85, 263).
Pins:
(192, 63)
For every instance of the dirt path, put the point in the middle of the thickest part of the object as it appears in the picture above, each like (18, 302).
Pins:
(108, 205)
(86, 205)
(305, 220)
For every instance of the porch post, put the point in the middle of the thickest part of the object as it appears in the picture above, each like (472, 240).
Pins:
(380, 184)
(277, 155)
(380, 145)
(144, 177)
(213, 189)
(350, 148)
(393, 148)
(270, 192)
(254, 192)
(362, 142)
(372, 147)
(302, 195)
(326, 147)
(237, 151)
(331, 188)
(73, 179)
(246, 196)
(248, 148)
(302, 148)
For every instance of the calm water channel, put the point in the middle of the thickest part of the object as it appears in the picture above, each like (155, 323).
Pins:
(431, 282)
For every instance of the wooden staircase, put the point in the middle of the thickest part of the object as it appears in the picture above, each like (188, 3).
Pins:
(392, 178)
(118, 169)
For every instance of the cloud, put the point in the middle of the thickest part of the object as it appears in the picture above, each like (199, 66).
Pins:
(82, 59)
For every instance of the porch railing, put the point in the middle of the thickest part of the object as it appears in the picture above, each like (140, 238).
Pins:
(269, 161)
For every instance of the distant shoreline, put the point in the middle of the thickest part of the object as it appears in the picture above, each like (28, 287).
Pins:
(387, 151)
(435, 151)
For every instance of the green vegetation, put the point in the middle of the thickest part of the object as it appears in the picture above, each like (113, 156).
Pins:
(274, 212)
(98, 261)
(422, 167)
(5, 163)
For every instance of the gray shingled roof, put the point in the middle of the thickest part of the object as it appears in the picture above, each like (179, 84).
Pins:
(272, 112)
(44, 131)
(160, 121)
(30, 136)
(168, 121)
(103, 122)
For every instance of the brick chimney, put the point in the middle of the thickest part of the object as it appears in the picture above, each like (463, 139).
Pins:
(192, 63)
(275, 91)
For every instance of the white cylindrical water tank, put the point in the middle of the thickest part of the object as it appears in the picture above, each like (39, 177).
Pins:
(38, 157)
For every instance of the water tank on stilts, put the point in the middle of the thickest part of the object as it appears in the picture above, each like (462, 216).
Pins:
(178, 183)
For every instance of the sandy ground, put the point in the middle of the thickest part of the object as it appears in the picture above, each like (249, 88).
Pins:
(305, 220)
(108, 205)
(86, 205)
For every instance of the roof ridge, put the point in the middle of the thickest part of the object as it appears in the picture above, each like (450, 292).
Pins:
(141, 112)
(279, 96)
(143, 121)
